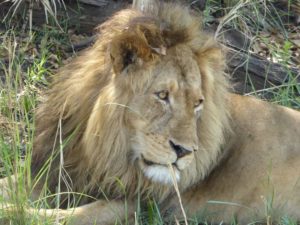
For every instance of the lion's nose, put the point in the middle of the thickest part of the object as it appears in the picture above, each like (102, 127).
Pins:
(180, 150)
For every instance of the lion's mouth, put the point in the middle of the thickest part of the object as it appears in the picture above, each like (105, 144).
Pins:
(151, 163)
(159, 172)
(147, 162)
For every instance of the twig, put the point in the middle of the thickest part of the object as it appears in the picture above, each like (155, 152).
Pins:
(177, 192)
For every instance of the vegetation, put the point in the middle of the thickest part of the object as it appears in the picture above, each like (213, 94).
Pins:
(29, 59)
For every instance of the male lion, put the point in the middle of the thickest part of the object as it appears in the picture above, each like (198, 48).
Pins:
(148, 105)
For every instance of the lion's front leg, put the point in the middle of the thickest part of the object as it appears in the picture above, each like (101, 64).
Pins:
(100, 212)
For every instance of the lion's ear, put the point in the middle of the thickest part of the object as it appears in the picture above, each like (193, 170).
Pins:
(135, 46)
(127, 50)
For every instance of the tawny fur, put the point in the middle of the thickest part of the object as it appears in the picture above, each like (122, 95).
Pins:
(100, 106)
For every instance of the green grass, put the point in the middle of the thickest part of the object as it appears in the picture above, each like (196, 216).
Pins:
(25, 71)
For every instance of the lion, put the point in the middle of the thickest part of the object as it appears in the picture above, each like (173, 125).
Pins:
(149, 106)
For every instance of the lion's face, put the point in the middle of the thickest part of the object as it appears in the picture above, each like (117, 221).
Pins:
(163, 117)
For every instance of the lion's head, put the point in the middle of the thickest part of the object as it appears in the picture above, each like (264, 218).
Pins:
(162, 113)
(150, 93)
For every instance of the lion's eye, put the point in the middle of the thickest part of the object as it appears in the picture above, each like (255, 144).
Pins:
(198, 102)
(163, 95)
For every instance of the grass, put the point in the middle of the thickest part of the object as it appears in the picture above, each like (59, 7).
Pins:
(18, 99)
(27, 63)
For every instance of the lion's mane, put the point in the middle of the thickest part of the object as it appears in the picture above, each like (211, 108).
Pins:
(80, 118)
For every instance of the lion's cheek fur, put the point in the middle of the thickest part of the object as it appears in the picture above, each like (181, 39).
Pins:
(154, 147)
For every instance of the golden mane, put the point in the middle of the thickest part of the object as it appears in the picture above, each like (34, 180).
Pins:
(85, 107)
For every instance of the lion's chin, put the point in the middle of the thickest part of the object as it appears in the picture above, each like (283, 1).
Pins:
(161, 174)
